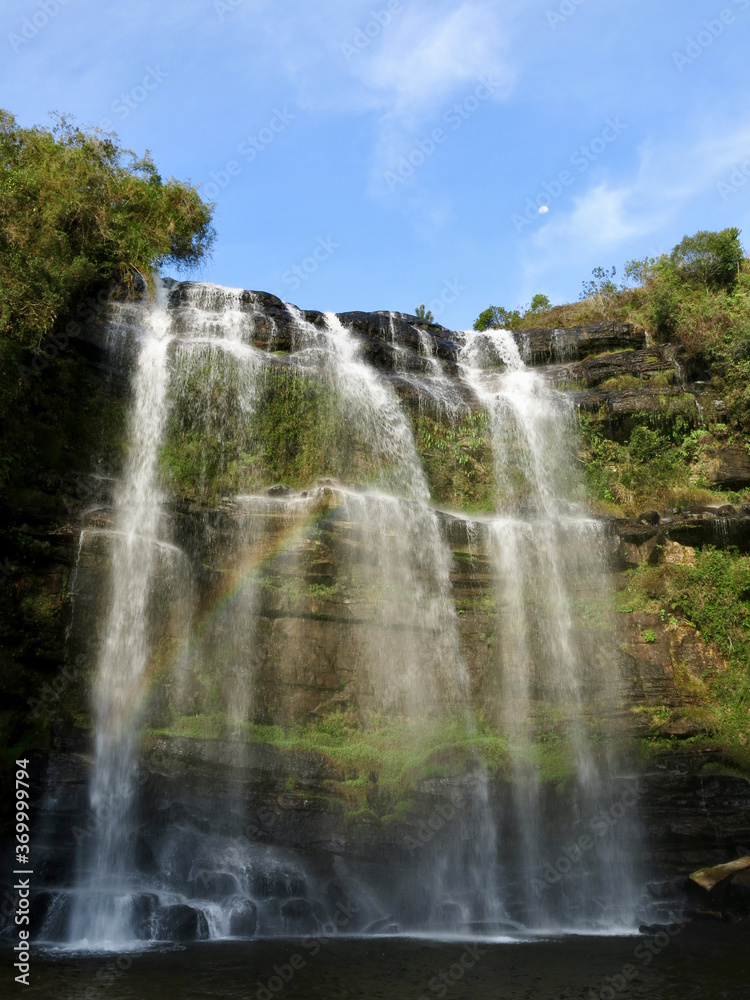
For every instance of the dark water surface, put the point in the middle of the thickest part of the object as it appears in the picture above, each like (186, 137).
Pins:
(710, 962)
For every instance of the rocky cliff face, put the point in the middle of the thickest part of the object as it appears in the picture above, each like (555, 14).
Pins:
(308, 649)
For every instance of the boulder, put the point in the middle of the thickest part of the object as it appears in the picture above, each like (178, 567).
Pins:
(243, 918)
(181, 923)
(213, 885)
(728, 467)
(674, 554)
(299, 917)
(143, 913)
(739, 891)
(650, 517)
(648, 552)
(276, 883)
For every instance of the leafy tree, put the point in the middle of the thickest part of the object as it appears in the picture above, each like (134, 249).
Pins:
(78, 211)
(600, 287)
(497, 318)
(538, 304)
(421, 312)
(710, 259)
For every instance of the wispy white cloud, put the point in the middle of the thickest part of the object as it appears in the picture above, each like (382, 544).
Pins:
(611, 217)
(430, 54)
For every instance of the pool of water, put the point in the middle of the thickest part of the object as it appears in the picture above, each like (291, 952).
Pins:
(695, 961)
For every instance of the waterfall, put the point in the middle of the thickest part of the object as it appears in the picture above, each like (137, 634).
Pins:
(240, 602)
(101, 911)
(548, 555)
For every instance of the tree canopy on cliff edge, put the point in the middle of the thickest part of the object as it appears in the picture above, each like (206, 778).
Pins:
(78, 211)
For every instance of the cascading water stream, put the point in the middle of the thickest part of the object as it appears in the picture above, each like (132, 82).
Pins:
(100, 912)
(365, 548)
(542, 547)
(196, 352)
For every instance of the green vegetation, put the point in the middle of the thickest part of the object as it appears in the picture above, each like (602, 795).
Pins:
(423, 313)
(499, 318)
(697, 296)
(660, 465)
(285, 427)
(382, 763)
(233, 432)
(457, 459)
(77, 212)
(714, 597)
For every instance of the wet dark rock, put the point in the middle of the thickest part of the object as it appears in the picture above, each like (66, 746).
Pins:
(144, 913)
(181, 923)
(682, 729)
(415, 905)
(243, 918)
(144, 857)
(299, 917)
(739, 892)
(712, 885)
(213, 885)
(280, 491)
(276, 884)
(49, 916)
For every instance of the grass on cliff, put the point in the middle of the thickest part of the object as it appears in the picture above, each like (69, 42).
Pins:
(662, 464)
(713, 596)
(382, 762)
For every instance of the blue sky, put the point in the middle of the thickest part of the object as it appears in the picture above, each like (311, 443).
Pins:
(375, 155)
